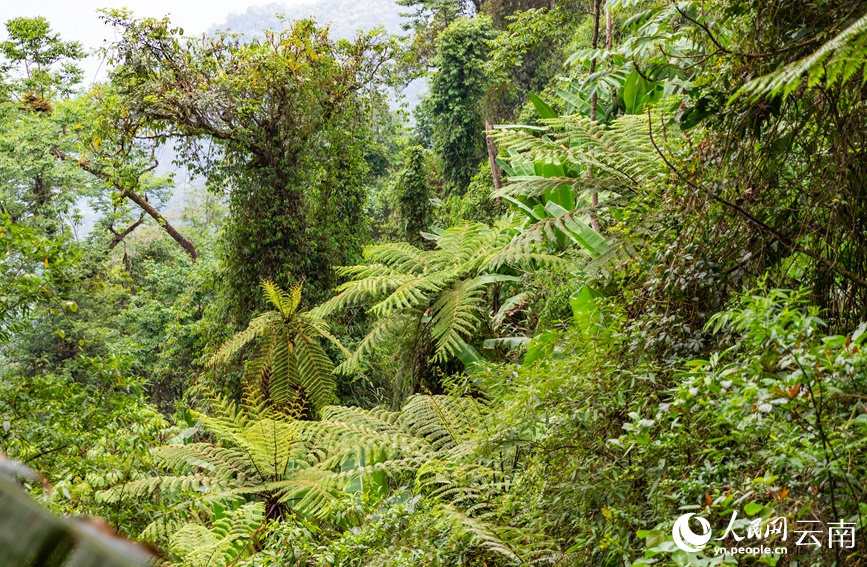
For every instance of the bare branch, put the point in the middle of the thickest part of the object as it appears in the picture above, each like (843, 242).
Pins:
(129, 193)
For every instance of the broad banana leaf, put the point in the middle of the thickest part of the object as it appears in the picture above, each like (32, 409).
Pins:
(585, 312)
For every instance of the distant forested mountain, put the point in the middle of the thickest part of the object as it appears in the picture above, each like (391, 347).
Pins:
(345, 17)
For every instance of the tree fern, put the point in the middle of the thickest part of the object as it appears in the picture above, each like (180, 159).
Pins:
(256, 452)
(262, 462)
(432, 443)
(436, 295)
(286, 362)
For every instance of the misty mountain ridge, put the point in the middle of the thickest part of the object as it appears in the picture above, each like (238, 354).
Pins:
(343, 17)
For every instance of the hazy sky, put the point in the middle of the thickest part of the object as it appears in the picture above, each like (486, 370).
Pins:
(78, 19)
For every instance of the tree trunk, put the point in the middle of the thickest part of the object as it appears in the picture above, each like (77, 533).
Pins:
(609, 42)
(185, 243)
(492, 155)
(594, 199)
(119, 236)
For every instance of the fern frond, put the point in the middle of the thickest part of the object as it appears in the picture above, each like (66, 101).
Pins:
(199, 546)
(620, 250)
(310, 492)
(539, 186)
(456, 317)
(285, 302)
(409, 294)
(231, 347)
(259, 366)
(274, 365)
(167, 483)
(272, 446)
(364, 290)
(225, 464)
(161, 529)
(443, 421)
(480, 533)
(283, 369)
(345, 431)
(380, 331)
(458, 244)
(321, 328)
(401, 256)
(549, 230)
(622, 151)
(837, 61)
(314, 372)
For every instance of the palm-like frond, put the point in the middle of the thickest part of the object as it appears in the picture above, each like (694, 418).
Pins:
(837, 61)
(444, 421)
(283, 368)
(411, 293)
(290, 366)
(480, 533)
(571, 144)
(459, 244)
(315, 372)
(311, 492)
(198, 482)
(367, 283)
(258, 452)
(225, 464)
(440, 293)
(401, 256)
(221, 544)
(539, 185)
(256, 446)
(260, 455)
(553, 175)
(384, 328)
(286, 302)
(456, 317)
(255, 329)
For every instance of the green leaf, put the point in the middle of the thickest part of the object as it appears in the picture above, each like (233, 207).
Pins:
(527, 210)
(585, 313)
(635, 93)
(653, 537)
(542, 108)
(580, 104)
(539, 346)
(470, 358)
(510, 342)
